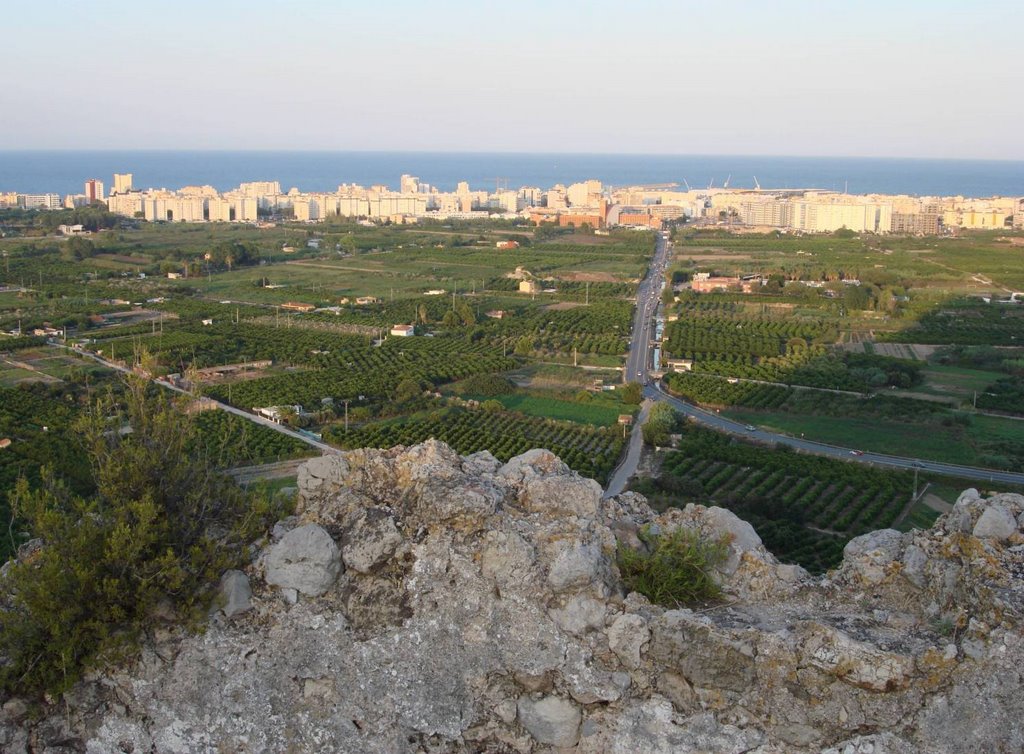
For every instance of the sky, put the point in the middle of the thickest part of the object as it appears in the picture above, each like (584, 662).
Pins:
(910, 78)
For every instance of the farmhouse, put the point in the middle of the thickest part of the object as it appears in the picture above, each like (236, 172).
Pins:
(403, 331)
(296, 306)
(276, 413)
(679, 365)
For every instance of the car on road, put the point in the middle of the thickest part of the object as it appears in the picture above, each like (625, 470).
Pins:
(856, 452)
(751, 428)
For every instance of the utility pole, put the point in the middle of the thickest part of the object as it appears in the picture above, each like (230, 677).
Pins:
(588, 293)
(915, 483)
(975, 399)
(346, 414)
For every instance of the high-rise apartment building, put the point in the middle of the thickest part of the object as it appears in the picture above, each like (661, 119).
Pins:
(94, 190)
(584, 194)
(122, 183)
(409, 184)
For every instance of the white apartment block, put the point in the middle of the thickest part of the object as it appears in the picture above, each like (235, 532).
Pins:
(585, 194)
(386, 205)
(39, 201)
(128, 205)
(257, 189)
(232, 209)
(177, 209)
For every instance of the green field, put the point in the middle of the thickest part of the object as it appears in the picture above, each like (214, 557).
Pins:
(586, 413)
(970, 446)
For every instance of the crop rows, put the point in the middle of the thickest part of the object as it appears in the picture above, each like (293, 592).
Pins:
(804, 507)
(229, 440)
(374, 376)
(592, 451)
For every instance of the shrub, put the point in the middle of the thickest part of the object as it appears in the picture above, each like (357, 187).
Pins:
(677, 570)
(632, 393)
(161, 528)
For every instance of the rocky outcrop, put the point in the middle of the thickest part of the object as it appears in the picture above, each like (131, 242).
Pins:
(419, 601)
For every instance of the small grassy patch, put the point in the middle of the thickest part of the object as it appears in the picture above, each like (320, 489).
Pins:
(678, 569)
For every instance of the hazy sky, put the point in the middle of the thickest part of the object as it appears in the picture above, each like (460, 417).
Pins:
(918, 78)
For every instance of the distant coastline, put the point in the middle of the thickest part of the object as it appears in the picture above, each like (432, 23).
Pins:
(63, 172)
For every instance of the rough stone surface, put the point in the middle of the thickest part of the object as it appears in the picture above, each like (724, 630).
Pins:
(996, 523)
(482, 609)
(550, 720)
(235, 594)
(306, 560)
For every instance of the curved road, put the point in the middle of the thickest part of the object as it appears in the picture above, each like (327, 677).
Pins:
(711, 419)
(638, 365)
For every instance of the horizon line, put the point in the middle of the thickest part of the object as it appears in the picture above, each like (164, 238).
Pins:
(268, 150)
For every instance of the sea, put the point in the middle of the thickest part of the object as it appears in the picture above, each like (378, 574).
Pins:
(63, 172)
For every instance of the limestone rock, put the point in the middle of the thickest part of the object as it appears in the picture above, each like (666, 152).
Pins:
(626, 636)
(995, 523)
(550, 720)
(235, 593)
(306, 559)
(370, 540)
(482, 609)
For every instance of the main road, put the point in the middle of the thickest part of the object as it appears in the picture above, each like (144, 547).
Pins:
(638, 360)
(638, 368)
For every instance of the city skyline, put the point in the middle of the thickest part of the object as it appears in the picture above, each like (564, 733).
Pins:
(928, 80)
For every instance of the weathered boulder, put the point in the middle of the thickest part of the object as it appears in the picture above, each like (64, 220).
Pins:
(627, 635)
(996, 523)
(306, 560)
(370, 539)
(550, 720)
(235, 593)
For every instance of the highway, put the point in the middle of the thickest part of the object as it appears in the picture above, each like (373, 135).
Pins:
(638, 366)
(638, 360)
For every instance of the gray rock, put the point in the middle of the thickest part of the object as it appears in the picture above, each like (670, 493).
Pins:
(235, 595)
(306, 559)
(870, 555)
(482, 462)
(995, 523)
(371, 540)
(576, 565)
(626, 636)
(550, 720)
(580, 614)
(914, 562)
